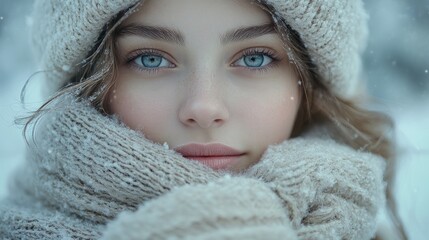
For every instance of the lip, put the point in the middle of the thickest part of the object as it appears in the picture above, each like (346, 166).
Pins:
(216, 156)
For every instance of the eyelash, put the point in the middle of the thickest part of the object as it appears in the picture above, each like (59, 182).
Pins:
(259, 51)
(150, 52)
(247, 52)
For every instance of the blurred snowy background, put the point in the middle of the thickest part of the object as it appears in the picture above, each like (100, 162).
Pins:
(397, 64)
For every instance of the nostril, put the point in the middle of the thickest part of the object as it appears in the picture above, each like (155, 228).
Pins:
(204, 124)
(204, 114)
(191, 121)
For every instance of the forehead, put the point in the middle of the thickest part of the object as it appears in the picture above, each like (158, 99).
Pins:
(199, 14)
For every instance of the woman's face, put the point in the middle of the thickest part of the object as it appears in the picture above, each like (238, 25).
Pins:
(209, 78)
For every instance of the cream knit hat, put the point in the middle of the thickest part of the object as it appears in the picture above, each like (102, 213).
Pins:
(333, 31)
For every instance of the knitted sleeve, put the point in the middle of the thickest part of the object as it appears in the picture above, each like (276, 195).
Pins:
(30, 220)
(331, 191)
(301, 189)
(229, 208)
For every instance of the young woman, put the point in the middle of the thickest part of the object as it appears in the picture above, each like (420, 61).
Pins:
(200, 119)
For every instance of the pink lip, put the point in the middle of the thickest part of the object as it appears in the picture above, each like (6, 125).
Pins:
(216, 156)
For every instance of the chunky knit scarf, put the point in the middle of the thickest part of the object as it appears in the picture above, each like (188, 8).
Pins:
(88, 176)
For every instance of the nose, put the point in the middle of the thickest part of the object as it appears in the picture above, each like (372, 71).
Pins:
(204, 105)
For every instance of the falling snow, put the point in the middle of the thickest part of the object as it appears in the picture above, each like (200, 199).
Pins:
(66, 68)
(391, 77)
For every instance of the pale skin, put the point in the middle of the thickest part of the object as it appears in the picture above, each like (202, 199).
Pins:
(201, 83)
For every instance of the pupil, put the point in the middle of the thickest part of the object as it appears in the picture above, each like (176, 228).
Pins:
(254, 60)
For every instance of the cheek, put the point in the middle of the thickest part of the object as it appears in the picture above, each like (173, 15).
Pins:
(273, 118)
(273, 106)
(141, 110)
(268, 115)
(266, 122)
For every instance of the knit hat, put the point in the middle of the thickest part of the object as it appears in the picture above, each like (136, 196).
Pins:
(333, 31)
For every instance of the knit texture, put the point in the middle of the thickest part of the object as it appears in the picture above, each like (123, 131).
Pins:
(64, 32)
(333, 31)
(88, 176)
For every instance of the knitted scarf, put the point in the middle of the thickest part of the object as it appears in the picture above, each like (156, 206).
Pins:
(88, 176)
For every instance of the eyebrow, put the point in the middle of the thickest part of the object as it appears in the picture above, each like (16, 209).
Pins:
(174, 36)
(156, 33)
(248, 33)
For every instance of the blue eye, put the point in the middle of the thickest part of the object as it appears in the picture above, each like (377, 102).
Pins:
(152, 61)
(254, 60)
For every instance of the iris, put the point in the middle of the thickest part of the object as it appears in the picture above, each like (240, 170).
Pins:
(151, 61)
(255, 60)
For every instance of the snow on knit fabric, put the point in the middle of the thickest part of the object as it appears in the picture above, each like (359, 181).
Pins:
(64, 32)
(89, 165)
(333, 31)
(342, 188)
(228, 208)
(88, 176)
